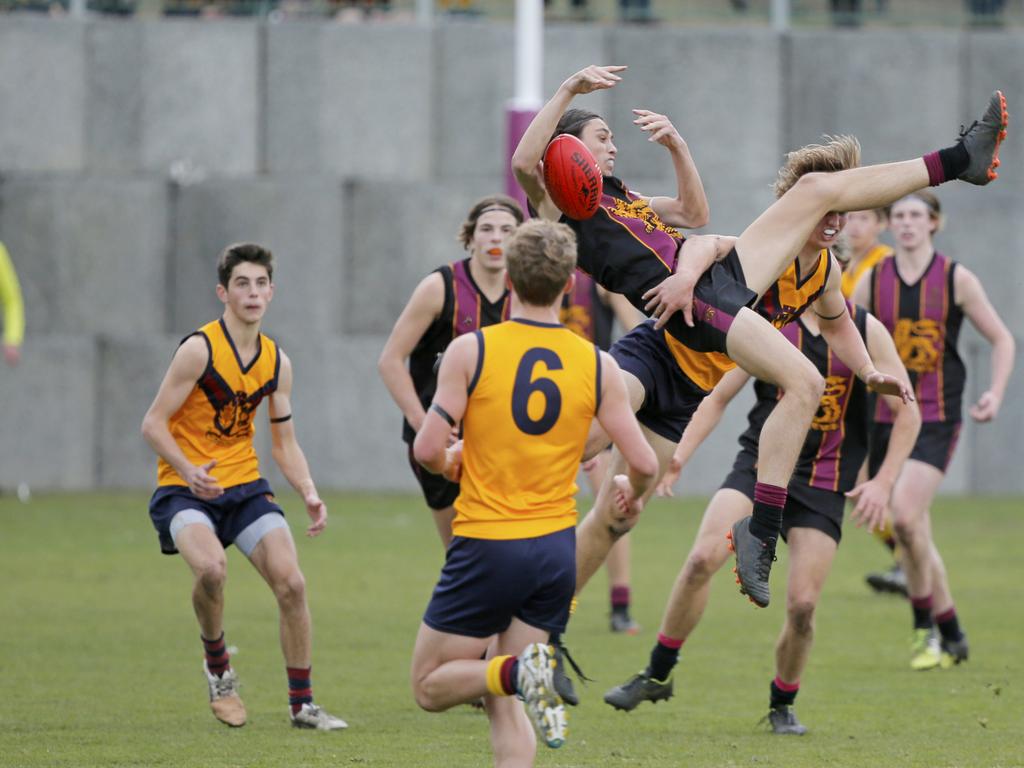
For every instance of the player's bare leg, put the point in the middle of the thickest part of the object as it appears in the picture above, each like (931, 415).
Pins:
(686, 603)
(278, 563)
(766, 354)
(811, 553)
(202, 550)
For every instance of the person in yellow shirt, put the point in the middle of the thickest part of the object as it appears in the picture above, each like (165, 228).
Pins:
(14, 309)
(525, 392)
(210, 493)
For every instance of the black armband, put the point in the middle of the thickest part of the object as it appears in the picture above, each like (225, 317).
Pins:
(443, 414)
(281, 419)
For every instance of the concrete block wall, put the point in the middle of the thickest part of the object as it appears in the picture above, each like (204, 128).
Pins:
(137, 150)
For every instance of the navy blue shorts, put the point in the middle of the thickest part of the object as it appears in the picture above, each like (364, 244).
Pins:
(438, 492)
(670, 398)
(806, 506)
(720, 293)
(935, 444)
(231, 513)
(485, 583)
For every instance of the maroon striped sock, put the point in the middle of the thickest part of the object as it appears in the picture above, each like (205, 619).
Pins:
(620, 597)
(769, 501)
(922, 608)
(217, 657)
(300, 688)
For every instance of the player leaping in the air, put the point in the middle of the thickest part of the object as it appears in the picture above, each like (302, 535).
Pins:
(728, 296)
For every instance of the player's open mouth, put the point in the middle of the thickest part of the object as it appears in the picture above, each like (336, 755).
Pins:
(830, 232)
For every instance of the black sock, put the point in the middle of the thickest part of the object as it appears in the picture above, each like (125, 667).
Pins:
(766, 520)
(781, 698)
(954, 160)
(949, 626)
(663, 660)
(922, 607)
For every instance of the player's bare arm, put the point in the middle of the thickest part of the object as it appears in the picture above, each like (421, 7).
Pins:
(449, 406)
(841, 334)
(288, 454)
(187, 365)
(425, 305)
(690, 206)
(705, 419)
(675, 293)
(527, 157)
(617, 420)
(970, 296)
(871, 498)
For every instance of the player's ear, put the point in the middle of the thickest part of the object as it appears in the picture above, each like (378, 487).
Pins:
(222, 293)
(570, 284)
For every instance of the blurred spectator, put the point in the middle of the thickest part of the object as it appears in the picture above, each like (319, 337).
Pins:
(635, 10)
(846, 13)
(986, 13)
(14, 309)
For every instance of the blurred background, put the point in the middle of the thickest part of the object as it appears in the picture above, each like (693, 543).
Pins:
(139, 137)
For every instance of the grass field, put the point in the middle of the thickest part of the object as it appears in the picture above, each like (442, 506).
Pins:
(100, 660)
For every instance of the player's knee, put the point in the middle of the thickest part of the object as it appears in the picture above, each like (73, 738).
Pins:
(424, 698)
(904, 527)
(212, 574)
(291, 588)
(800, 613)
(702, 563)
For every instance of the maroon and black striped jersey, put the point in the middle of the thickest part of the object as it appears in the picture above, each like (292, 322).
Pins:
(924, 321)
(465, 310)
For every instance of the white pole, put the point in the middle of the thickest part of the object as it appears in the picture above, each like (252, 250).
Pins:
(780, 15)
(424, 11)
(529, 66)
(529, 53)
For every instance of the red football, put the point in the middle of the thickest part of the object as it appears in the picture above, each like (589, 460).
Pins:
(572, 177)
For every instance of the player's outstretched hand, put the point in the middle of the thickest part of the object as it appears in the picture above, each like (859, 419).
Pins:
(593, 78)
(871, 499)
(627, 503)
(317, 511)
(884, 384)
(659, 126)
(202, 483)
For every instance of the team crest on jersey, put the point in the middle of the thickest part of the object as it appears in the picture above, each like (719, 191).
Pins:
(639, 209)
(830, 407)
(919, 343)
(233, 418)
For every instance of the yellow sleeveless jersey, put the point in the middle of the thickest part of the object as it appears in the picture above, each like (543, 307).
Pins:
(216, 419)
(852, 276)
(532, 399)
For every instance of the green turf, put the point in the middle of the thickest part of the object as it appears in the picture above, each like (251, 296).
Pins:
(101, 666)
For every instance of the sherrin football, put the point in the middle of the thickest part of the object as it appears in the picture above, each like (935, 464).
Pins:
(572, 177)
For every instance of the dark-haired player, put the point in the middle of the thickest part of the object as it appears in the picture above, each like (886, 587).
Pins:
(210, 491)
(453, 300)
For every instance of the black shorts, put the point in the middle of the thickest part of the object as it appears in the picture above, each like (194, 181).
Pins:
(720, 293)
(670, 398)
(935, 444)
(438, 492)
(806, 506)
(485, 583)
(230, 513)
